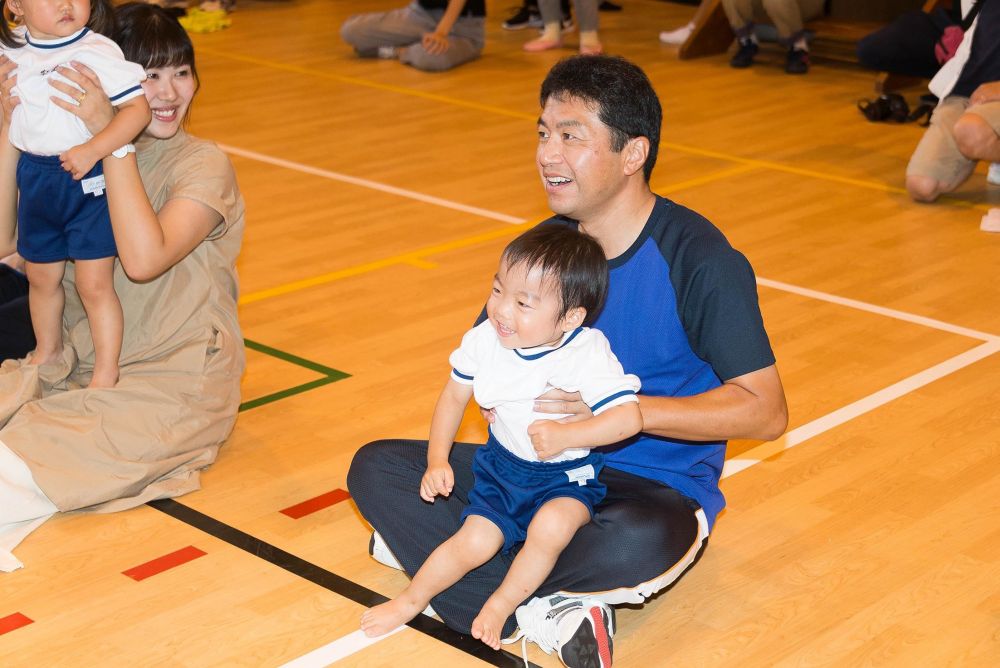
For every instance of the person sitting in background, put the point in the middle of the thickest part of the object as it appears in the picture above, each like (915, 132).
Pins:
(965, 126)
(529, 16)
(430, 35)
(551, 37)
(788, 16)
(909, 44)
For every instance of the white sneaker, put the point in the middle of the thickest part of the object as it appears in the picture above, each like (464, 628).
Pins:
(991, 221)
(679, 36)
(381, 553)
(993, 175)
(579, 630)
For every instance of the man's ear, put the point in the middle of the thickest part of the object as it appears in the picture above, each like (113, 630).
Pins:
(634, 155)
(573, 318)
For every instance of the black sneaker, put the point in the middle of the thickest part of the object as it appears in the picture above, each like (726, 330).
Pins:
(797, 61)
(523, 18)
(744, 55)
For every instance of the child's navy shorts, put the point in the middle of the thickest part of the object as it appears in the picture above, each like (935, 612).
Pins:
(56, 218)
(509, 490)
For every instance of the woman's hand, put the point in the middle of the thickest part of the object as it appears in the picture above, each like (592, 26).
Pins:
(558, 401)
(92, 105)
(7, 82)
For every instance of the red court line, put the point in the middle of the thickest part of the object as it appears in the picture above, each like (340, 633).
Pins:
(13, 622)
(166, 562)
(320, 502)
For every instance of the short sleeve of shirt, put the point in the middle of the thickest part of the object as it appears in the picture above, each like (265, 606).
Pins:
(206, 175)
(593, 370)
(121, 79)
(465, 360)
(719, 308)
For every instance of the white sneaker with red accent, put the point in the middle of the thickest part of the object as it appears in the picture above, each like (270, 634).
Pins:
(579, 630)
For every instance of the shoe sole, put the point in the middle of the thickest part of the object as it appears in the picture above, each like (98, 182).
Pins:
(579, 651)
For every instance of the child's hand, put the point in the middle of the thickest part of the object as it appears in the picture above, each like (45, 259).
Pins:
(78, 160)
(546, 438)
(438, 479)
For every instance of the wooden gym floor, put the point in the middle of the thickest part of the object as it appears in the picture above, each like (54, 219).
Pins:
(379, 199)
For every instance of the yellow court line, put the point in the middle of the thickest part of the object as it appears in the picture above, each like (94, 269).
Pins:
(691, 150)
(413, 258)
(417, 258)
(370, 84)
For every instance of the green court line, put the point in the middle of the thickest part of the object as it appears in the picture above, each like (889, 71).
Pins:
(329, 374)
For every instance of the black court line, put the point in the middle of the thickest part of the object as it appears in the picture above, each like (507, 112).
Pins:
(331, 581)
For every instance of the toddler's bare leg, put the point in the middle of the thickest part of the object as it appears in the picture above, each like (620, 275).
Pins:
(45, 301)
(472, 546)
(95, 283)
(551, 529)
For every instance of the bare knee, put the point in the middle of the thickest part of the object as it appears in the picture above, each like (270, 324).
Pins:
(557, 521)
(974, 137)
(95, 287)
(923, 188)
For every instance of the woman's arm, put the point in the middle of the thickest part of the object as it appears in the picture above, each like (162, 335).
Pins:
(8, 161)
(149, 242)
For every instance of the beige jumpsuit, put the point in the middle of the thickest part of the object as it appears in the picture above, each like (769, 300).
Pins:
(181, 363)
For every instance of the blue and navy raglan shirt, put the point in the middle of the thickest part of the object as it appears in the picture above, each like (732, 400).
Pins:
(681, 314)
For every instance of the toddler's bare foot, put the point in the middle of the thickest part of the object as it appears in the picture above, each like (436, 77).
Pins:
(103, 378)
(488, 625)
(39, 357)
(384, 618)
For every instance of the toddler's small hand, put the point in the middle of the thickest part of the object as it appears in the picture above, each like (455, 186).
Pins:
(78, 161)
(545, 438)
(438, 479)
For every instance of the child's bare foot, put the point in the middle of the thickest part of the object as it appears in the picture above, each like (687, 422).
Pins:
(384, 618)
(488, 625)
(40, 357)
(103, 378)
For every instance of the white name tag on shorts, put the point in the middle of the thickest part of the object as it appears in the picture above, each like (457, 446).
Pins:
(581, 474)
(94, 184)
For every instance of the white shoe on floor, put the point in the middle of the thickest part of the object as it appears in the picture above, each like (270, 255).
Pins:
(993, 175)
(579, 630)
(679, 36)
(381, 553)
(991, 221)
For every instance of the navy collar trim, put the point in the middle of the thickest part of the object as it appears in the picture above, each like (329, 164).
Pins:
(564, 342)
(51, 44)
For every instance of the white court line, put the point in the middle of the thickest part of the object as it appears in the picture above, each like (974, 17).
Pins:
(859, 407)
(880, 310)
(337, 650)
(374, 185)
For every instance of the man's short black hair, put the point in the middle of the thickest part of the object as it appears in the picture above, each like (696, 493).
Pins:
(572, 258)
(625, 100)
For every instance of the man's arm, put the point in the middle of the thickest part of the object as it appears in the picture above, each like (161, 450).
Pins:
(550, 437)
(748, 406)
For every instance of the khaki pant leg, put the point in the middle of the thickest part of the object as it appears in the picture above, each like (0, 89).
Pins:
(789, 16)
(740, 14)
(937, 155)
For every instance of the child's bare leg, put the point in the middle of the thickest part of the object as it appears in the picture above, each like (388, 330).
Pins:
(472, 546)
(550, 531)
(45, 301)
(95, 283)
